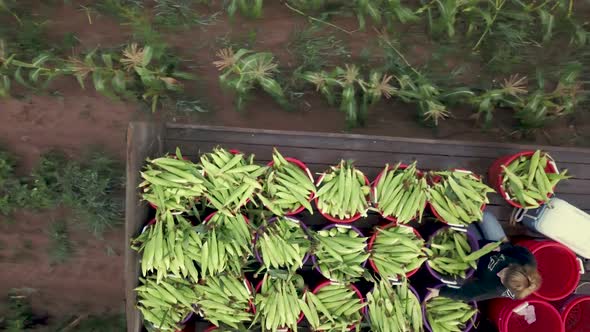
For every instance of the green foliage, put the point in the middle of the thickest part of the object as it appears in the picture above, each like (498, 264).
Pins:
(20, 314)
(113, 323)
(245, 70)
(88, 188)
(383, 11)
(506, 95)
(248, 8)
(416, 88)
(356, 94)
(61, 247)
(133, 13)
(144, 72)
(180, 13)
(13, 192)
(503, 19)
(541, 106)
(533, 109)
(315, 50)
(36, 74)
(308, 5)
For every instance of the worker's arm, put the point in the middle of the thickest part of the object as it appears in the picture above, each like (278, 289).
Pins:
(473, 290)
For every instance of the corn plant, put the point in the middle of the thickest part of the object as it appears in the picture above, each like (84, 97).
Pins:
(180, 13)
(507, 94)
(138, 70)
(33, 74)
(541, 105)
(308, 5)
(503, 18)
(13, 192)
(245, 70)
(383, 11)
(248, 8)
(356, 95)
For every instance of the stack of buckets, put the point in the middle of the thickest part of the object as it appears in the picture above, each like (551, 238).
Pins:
(556, 308)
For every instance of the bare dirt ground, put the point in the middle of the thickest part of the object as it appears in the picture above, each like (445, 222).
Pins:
(72, 119)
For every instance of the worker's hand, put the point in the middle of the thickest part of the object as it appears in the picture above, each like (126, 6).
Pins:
(432, 292)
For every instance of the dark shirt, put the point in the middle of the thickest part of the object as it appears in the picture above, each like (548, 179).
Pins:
(485, 283)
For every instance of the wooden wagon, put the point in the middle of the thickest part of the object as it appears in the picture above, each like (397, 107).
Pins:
(319, 151)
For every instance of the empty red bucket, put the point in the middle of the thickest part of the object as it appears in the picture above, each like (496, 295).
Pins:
(558, 267)
(547, 318)
(575, 313)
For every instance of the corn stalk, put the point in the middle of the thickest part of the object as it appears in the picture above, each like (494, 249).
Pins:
(37, 73)
(383, 12)
(541, 106)
(244, 70)
(355, 94)
(136, 70)
(248, 8)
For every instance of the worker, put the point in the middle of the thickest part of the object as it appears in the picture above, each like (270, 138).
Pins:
(509, 271)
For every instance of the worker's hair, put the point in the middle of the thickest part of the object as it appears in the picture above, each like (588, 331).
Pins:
(522, 280)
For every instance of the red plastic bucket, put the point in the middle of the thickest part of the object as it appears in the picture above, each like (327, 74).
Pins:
(500, 312)
(354, 288)
(575, 313)
(374, 190)
(334, 219)
(495, 174)
(558, 267)
(259, 286)
(306, 170)
(436, 214)
(372, 240)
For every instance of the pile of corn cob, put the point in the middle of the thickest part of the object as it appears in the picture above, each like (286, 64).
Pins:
(342, 192)
(450, 253)
(527, 181)
(340, 253)
(447, 315)
(335, 307)
(458, 197)
(397, 251)
(283, 244)
(394, 308)
(401, 193)
(286, 187)
(231, 180)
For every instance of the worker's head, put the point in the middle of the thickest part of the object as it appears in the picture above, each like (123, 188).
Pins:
(521, 280)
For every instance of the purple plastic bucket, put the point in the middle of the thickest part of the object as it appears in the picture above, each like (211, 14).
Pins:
(272, 220)
(410, 287)
(314, 258)
(187, 318)
(444, 279)
(466, 329)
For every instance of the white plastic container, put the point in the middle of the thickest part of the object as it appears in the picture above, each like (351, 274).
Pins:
(562, 222)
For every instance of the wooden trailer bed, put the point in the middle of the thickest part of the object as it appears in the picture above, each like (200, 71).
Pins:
(319, 151)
